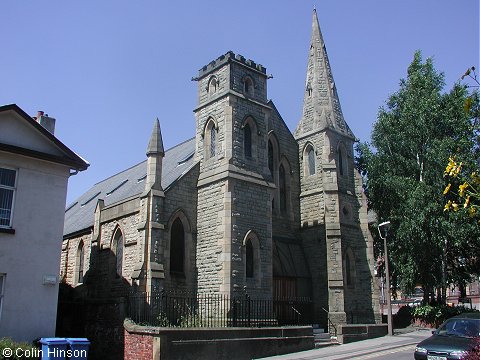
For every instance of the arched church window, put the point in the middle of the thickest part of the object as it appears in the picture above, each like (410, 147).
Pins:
(118, 251)
(248, 86)
(340, 161)
(247, 140)
(249, 261)
(309, 160)
(283, 188)
(212, 85)
(210, 139)
(349, 267)
(177, 246)
(270, 156)
(348, 270)
(80, 262)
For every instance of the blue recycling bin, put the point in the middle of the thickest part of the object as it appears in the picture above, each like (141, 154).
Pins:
(54, 348)
(78, 348)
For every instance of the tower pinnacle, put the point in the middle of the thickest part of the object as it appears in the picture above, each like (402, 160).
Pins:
(321, 106)
(155, 145)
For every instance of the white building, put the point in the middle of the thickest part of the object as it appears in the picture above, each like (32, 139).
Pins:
(34, 171)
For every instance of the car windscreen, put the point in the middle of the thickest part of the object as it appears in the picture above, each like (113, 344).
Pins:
(460, 327)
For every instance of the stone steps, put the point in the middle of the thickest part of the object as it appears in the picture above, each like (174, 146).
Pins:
(322, 338)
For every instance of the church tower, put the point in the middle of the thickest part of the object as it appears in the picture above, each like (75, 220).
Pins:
(332, 207)
(234, 230)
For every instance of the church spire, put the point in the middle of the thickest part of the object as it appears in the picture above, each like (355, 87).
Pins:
(321, 106)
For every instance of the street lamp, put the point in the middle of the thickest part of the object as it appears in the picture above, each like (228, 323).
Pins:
(385, 226)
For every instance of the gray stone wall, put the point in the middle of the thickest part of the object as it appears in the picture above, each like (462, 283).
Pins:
(312, 201)
(210, 230)
(250, 212)
(182, 197)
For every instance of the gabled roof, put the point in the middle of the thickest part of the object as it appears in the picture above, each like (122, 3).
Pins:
(127, 184)
(63, 155)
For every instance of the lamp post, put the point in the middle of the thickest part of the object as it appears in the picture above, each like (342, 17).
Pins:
(386, 225)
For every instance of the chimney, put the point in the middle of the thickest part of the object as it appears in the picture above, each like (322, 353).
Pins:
(47, 122)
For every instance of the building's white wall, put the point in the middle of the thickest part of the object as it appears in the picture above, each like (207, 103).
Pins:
(29, 306)
(15, 130)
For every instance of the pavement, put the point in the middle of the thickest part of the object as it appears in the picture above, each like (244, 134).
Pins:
(403, 339)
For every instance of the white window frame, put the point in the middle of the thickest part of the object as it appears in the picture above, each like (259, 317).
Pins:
(14, 189)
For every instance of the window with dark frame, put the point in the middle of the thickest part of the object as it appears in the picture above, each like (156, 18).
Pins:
(247, 140)
(283, 189)
(212, 141)
(118, 241)
(249, 261)
(7, 194)
(311, 161)
(81, 256)
(270, 156)
(340, 161)
(177, 247)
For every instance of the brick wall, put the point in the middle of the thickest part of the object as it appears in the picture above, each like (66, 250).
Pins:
(138, 346)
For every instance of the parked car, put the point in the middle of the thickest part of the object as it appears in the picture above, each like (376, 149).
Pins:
(454, 339)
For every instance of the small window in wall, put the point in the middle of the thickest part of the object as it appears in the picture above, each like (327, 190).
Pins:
(248, 86)
(348, 270)
(247, 140)
(309, 160)
(7, 195)
(249, 260)
(340, 161)
(118, 251)
(2, 291)
(210, 139)
(177, 246)
(80, 262)
(283, 189)
(270, 156)
(212, 85)
(349, 267)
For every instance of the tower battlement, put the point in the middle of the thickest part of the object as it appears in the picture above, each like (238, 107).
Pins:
(230, 56)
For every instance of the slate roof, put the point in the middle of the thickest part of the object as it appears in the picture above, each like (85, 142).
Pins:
(127, 184)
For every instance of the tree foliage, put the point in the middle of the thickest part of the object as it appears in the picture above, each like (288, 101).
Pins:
(414, 135)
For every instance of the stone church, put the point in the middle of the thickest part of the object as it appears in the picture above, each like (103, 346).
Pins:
(243, 207)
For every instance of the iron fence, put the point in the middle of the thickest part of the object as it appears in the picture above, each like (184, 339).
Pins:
(173, 309)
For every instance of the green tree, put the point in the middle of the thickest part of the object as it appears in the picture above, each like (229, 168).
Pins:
(414, 135)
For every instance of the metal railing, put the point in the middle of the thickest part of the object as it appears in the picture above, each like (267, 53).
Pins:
(174, 309)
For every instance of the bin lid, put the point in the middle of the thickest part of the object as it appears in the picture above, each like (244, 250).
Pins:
(79, 341)
(53, 341)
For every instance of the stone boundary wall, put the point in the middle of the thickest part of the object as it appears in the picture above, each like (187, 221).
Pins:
(147, 343)
(356, 332)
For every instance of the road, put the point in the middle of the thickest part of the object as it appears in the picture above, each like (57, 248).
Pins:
(403, 353)
(398, 347)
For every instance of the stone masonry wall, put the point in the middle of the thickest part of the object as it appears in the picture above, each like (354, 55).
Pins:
(182, 197)
(312, 207)
(251, 212)
(210, 230)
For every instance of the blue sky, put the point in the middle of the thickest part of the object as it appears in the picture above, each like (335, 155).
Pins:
(106, 69)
